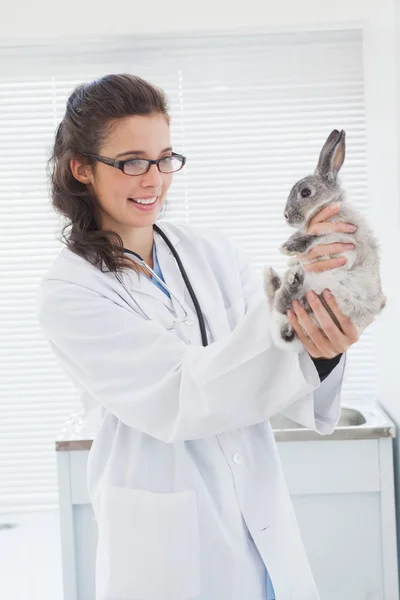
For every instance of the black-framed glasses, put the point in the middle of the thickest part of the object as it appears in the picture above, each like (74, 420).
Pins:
(140, 166)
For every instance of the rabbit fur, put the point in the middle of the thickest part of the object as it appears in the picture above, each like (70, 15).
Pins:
(356, 285)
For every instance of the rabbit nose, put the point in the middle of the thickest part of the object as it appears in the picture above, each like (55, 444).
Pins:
(286, 215)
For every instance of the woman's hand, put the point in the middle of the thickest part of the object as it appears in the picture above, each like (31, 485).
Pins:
(329, 341)
(319, 226)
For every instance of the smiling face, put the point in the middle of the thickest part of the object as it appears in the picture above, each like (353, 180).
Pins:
(131, 137)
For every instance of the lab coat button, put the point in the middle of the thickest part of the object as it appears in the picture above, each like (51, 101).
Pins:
(238, 458)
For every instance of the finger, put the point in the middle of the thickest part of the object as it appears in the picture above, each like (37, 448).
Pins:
(323, 228)
(305, 340)
(325, 265)
(327, 324)
(325, 213)
(349, 329)
(326, 249)
(316, 335)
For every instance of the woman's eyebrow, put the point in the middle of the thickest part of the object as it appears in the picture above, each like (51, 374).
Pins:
(141, 152)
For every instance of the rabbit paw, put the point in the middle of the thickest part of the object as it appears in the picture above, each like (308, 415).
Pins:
(294, 276)
(284, 249)
(297, 244)
(291, 288)
(272, 283)
(283, 334)
(287, 332)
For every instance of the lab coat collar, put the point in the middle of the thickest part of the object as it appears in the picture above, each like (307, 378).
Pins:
(140, 284)
(202, 281)
(210, 301)
(172, 236)
(169, 268)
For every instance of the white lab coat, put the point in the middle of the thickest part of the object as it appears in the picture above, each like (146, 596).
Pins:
(185, 458)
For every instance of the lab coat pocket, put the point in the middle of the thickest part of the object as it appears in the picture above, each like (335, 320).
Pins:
(150, 545)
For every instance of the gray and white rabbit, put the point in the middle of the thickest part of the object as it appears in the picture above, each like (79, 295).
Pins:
(356, 285)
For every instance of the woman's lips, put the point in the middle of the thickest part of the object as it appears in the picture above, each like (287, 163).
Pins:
(144, 207)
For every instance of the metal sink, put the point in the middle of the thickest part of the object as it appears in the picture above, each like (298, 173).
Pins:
(358, 420)
(349, 418)
(363, 422)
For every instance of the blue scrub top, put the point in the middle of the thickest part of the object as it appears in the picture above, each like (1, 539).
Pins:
(156, 269)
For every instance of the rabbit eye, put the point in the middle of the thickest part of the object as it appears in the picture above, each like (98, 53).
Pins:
(305, 193)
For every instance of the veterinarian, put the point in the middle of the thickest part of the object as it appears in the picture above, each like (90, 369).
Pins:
(174, 353)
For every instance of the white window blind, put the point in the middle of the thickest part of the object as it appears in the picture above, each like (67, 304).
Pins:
(249, 112)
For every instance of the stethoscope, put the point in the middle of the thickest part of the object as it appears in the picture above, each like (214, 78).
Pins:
(193, 296)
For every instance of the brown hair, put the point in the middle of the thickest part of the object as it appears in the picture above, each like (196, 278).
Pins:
(91, 110)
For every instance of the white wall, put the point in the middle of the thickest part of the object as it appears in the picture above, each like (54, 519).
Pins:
(50, 19)
(382, 109)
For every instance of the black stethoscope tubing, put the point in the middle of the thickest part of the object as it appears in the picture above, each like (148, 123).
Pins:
(190, 289)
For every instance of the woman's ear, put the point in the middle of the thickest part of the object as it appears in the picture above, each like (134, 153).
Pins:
(81, 171)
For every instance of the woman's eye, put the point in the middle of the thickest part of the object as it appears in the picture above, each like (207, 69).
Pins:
(305, 192)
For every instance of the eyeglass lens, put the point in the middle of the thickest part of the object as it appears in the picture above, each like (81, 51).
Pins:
(169, 164)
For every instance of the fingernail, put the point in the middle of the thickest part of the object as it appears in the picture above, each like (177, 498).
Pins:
(351, 228)
(327, 293)
(289, 314)
(310, 295)
(349, 246)
(335, 205)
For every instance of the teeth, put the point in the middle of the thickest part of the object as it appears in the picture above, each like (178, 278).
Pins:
(145, 201)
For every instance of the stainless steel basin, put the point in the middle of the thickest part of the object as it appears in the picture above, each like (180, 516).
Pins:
(358, 420)
(363, 422)
(349, 418)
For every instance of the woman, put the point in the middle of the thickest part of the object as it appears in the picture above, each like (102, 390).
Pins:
(183, 474)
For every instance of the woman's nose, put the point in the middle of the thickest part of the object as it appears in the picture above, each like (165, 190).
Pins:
(153, 177)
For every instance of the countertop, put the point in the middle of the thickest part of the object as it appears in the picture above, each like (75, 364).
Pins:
(359, 420)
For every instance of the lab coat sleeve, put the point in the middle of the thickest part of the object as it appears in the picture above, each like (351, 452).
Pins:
(319, 411)
(323, 412)
(154, 382)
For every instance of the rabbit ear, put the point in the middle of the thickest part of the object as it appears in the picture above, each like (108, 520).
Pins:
(332, 156)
